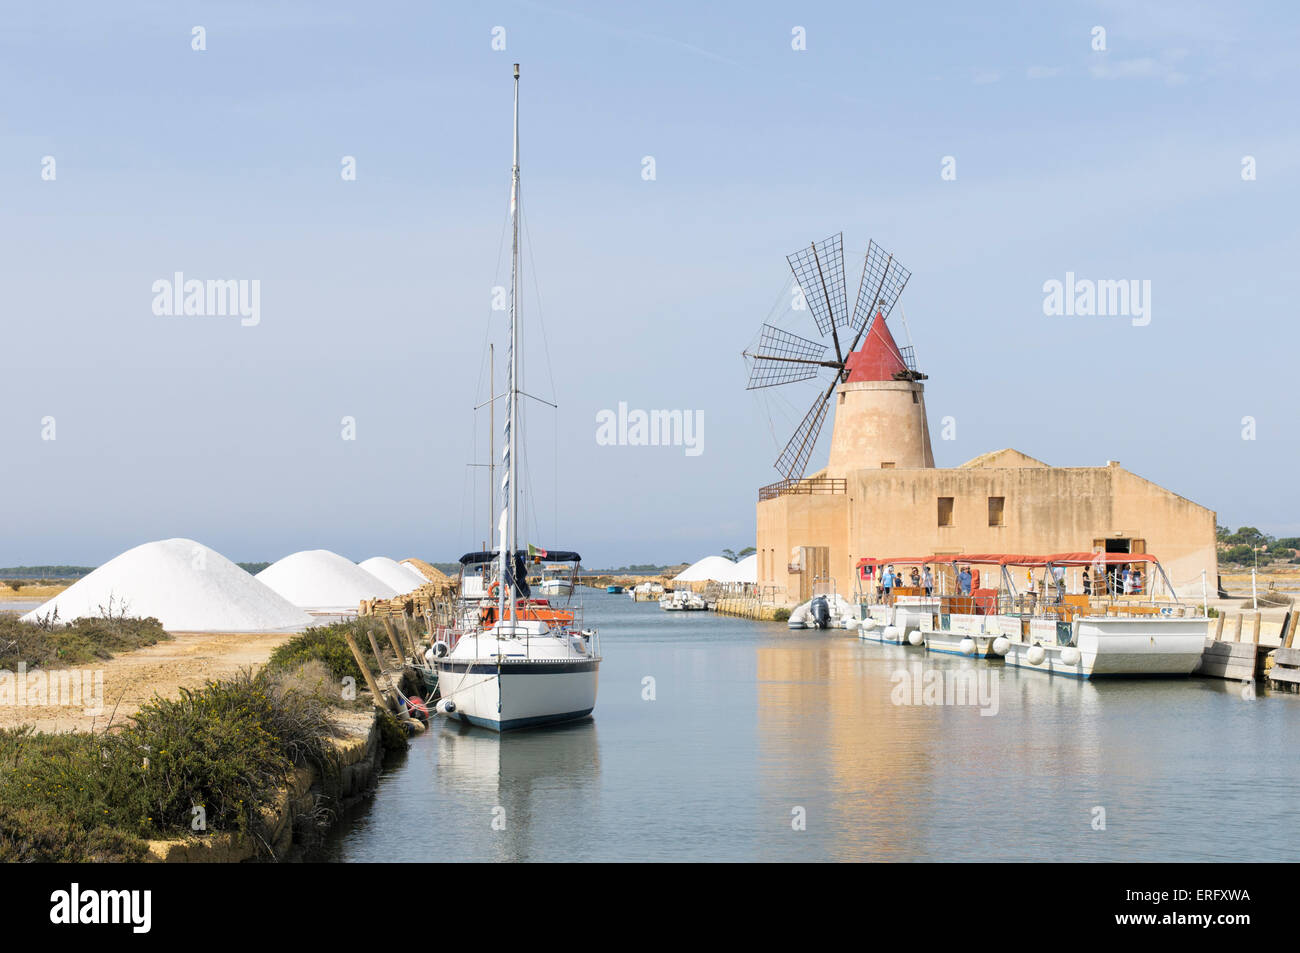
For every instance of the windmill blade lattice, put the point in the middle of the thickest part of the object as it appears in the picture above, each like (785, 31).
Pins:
(819, 270)
(793, 462)
(783, 358)
(883, 281)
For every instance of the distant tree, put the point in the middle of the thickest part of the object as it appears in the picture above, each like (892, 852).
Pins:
(1221, 533)
(747, 551)
(730, 554)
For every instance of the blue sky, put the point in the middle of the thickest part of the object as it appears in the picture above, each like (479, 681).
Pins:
(375, 293)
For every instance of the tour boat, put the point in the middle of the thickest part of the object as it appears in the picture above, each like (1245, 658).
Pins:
(1048, 629)
(519, 663)
(1089, 635)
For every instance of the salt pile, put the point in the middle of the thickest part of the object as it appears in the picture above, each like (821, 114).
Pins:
(746, 570)
(400, 576)
(320, 579)
(710, 568)
(185, 585)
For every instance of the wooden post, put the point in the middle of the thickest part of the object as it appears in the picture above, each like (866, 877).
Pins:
(406, 627)
(392, 638)
(1236, 628)
(1218, 627)
(1289, 639)
(374, 647)
(365, 669)
(1259, 620)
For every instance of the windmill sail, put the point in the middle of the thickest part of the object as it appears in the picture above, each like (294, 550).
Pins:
(883, 280)
(793, 462)
(782, 358)
(819, 270)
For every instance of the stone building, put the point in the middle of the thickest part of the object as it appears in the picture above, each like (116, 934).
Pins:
(881, 495)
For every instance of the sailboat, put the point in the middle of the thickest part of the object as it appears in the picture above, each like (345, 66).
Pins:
(517, 666)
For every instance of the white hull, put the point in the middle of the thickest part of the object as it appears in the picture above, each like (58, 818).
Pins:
(530, 675)
(555, 587)
(522, 695)
(1138, 646)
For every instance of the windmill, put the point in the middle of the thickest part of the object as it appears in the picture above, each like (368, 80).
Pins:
(782, 357)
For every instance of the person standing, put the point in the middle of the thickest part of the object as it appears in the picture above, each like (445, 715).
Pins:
(964, 580)
(1087, 582)
(927, 580)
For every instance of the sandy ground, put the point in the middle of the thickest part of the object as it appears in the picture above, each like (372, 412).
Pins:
(31, 593)
(129, 679)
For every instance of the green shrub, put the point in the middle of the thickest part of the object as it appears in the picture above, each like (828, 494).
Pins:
(391, 733)
(328, 645)
(781, 615)
(228, 747)
(46, 645)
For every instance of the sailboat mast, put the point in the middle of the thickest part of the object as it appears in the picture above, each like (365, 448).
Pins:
(510, 496)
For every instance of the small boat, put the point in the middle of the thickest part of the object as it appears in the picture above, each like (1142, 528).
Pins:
(614, 590)
(683, 600)
(826, 611)
(556, 582)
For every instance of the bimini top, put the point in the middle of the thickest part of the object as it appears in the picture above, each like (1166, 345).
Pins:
(552, 556)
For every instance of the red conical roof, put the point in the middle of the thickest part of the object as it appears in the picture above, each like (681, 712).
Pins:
(879, 358)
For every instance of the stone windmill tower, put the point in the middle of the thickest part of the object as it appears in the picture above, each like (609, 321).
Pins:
(879, 399)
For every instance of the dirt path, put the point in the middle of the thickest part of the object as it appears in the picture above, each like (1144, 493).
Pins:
(130, 679)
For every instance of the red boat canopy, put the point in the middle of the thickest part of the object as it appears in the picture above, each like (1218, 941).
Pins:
(1010, 559)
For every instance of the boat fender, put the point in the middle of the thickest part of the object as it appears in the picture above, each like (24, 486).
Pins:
(890, 633)
(416, 707)
(1070, 656)
(916, 638)
(1035, 655)
(441, 649)
(966, 647)
(1001, 644)
(447, 707)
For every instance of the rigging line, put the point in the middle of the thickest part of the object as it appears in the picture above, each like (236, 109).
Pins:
(537, 294)
(550, 372)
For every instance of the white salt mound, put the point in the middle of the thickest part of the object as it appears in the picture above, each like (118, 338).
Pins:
(185, 585)
(746, 570)
(715, 568)
(322, 580)
(399, 576)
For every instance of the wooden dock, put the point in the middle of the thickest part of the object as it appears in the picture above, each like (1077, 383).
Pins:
(1285, 672)
(1238, 648)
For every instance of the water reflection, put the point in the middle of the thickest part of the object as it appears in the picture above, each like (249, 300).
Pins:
(750, 722)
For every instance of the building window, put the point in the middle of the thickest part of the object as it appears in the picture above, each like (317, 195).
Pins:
(996, 504)
(945, 511)
(888, 465)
